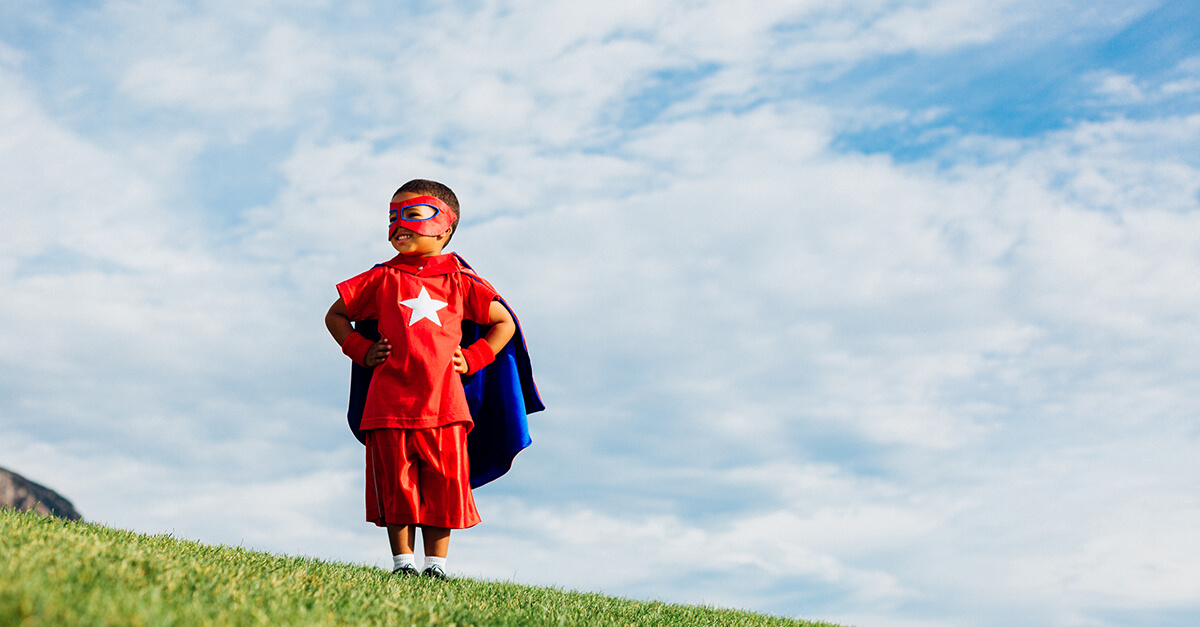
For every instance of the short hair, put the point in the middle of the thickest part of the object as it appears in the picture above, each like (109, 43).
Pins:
(426, 187)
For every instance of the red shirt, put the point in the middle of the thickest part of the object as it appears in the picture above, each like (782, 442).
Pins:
(420, 303)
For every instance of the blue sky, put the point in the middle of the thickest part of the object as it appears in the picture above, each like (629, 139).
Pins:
(874, 312)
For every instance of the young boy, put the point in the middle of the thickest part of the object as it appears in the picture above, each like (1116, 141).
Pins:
(416, 417)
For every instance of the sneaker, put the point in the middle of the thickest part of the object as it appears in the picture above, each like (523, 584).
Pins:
(407, 570)
(435, 572)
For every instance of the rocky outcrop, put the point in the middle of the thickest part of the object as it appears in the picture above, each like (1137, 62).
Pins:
(21, 493)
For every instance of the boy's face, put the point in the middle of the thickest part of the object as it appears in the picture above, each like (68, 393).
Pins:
(413, 244)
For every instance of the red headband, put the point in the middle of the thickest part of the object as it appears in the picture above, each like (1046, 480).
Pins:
(433, 226)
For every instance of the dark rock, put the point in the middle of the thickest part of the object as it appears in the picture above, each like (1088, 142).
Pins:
(21, 493)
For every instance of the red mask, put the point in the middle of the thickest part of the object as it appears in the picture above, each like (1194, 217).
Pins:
(433, 226)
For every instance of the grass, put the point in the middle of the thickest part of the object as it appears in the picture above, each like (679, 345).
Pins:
(59, 572)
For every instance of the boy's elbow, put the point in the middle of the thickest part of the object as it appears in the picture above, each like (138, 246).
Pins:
(337, 320)
(508, 329)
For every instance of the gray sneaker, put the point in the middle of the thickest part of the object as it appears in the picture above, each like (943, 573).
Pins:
(435, 572)
(407, 570)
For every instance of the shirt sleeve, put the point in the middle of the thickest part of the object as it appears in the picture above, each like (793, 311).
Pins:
(478, 300)
(359, 295)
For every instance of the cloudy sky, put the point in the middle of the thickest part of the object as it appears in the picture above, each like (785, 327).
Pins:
(880, 312)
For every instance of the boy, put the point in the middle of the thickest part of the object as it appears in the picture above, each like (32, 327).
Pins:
(416, 416)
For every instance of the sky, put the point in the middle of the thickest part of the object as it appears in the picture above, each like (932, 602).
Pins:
(878, 312)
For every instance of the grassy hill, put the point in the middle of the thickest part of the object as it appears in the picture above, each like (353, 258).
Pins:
(58, 572)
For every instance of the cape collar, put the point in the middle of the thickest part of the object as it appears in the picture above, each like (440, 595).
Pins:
(445, 263)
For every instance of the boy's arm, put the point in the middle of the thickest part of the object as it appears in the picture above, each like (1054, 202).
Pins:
(355, 346)
(484, 350)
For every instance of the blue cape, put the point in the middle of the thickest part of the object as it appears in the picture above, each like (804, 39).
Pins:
(499, 396)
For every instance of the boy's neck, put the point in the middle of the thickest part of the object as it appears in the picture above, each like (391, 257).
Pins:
(418, 259)
(437, 253)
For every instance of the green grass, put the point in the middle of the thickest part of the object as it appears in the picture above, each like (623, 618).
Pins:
(58, 572)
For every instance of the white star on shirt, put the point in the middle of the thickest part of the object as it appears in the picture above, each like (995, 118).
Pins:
(423, 307)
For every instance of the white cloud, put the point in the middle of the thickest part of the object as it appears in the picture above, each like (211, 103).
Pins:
(1120, 88)
(282, 66)
(1180, 81)
(65, 188)
(634, 553)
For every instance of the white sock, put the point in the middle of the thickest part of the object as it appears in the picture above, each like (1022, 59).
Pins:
(440, 562)
(404, 559)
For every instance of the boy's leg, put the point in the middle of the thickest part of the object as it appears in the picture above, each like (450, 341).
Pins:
(403, 539)
(437, 541)
(437, 544)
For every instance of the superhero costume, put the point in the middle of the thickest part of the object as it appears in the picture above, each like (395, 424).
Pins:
(499, 397)
(420, 303)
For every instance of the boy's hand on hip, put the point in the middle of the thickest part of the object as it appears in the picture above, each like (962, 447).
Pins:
(460, 362)
(378, 353)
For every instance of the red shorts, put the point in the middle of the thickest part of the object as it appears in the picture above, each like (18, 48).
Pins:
(420, 477)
